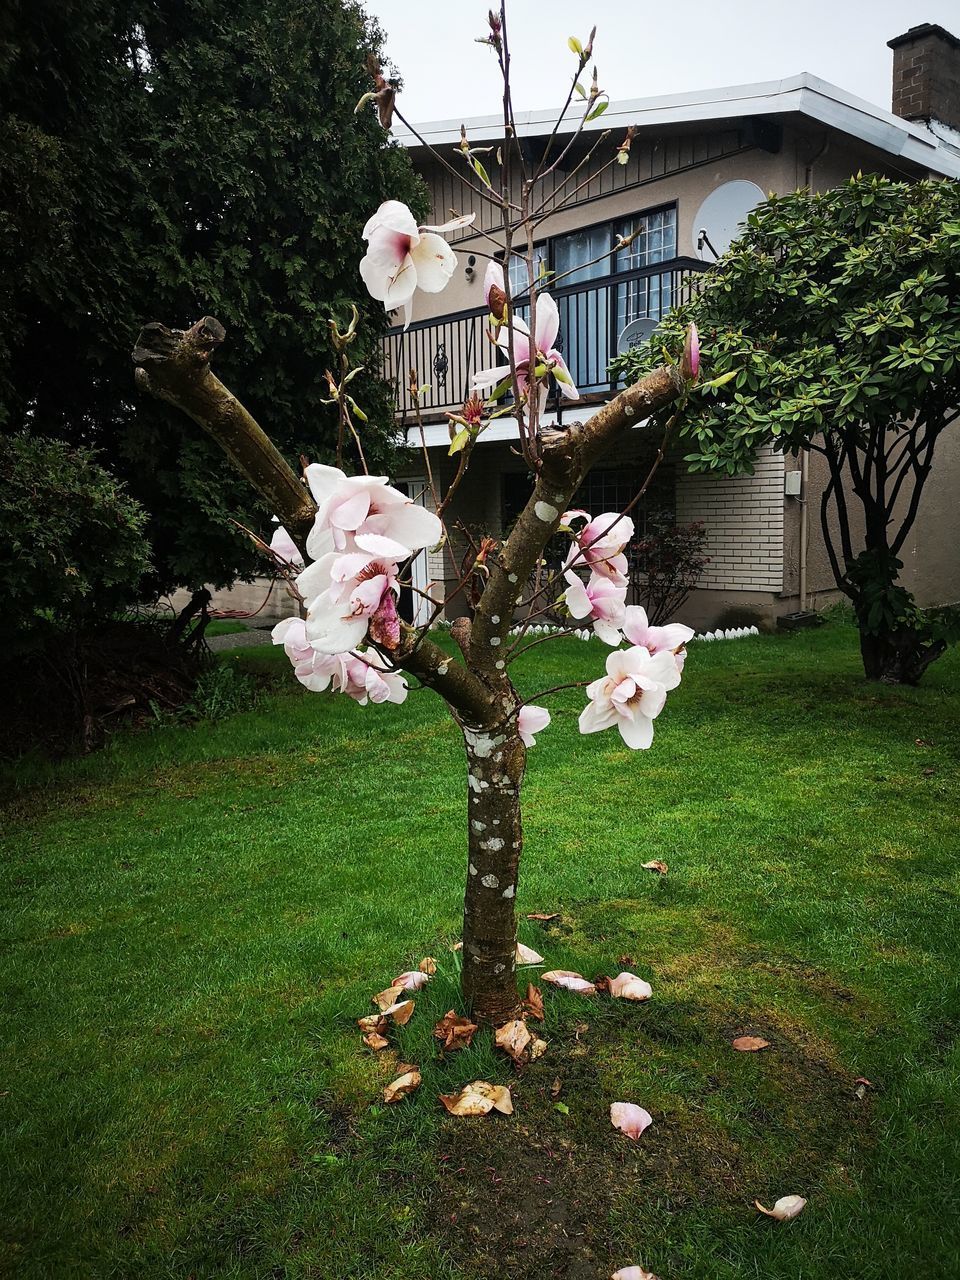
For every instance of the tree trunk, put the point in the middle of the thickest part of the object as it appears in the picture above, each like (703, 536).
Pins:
(897, 657)
(495, 766)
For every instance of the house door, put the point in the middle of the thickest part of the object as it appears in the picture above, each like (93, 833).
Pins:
(414, 608)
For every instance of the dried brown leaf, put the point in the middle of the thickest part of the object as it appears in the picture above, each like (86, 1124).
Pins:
(661, 868)
(749, 1044)
(375, 1041)
(403, 1085)
(556, 1088)
(457, 946)
(477, 1099)
(384, 999)
(428, 965)
(401, 1012)
(543, 916)
(374, 1023)
(537, 1049)
(455, 1032)
(533, 1005)
(513, 1038)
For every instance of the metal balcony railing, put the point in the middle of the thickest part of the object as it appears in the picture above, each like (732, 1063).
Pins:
(447, 350)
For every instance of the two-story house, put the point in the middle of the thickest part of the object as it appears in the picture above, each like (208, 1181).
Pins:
(698, 163)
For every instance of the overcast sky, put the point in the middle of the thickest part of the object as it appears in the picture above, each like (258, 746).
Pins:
(644, 47)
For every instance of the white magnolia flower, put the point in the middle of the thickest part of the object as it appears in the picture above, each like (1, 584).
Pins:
(403, 257)
(530, 721)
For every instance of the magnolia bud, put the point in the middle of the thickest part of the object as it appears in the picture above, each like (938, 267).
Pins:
(690, 364)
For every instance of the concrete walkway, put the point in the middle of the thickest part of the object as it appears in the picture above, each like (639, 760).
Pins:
(240, 639)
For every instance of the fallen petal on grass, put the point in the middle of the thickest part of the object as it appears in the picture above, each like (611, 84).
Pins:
(629, 1118)
(570, 981)
(455, 1032)
(478, 1098)
(627, 986)
(787, 1207)
(527, 955)
(403, 1085)
(749, 1044)
(661, 868)
(412, 980)
(633, 1273)
(543, 916)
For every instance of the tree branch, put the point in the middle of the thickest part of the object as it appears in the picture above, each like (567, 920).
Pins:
(174, 366)
(567, 457)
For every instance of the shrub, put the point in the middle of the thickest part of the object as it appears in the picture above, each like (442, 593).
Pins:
(666, 564)
(74, 542)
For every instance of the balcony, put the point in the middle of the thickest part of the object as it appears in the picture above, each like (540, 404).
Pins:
(447, 350)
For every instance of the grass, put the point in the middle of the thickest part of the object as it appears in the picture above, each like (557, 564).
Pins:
(194, 917)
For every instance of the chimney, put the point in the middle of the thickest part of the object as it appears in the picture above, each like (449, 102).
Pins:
(926, 76)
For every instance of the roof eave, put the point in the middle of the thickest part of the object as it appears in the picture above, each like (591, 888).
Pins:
(804, 95)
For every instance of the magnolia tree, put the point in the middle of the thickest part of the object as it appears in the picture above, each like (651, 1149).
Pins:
(352, 536)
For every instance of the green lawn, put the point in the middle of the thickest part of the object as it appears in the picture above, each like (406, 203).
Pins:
(194, 917)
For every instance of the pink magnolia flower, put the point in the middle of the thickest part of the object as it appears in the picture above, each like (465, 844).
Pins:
(600, 600)
(366, 513)
(599, 544)
(315, 671)
(631, 695)
(655, 639)
(530, 721)
(363, 677)
(282, 545)
(366, 678)
(403, 257)
(544, 353)
(346, 595)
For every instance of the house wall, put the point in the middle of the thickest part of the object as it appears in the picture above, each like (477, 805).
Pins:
(931, 554)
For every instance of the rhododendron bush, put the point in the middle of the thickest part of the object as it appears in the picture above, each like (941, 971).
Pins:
(347, 538)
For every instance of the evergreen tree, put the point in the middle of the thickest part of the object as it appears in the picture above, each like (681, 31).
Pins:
(176, 158)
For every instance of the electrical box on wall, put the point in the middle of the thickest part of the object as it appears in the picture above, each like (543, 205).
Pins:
(791, 484)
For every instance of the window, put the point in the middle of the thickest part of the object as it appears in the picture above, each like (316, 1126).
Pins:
(592, 318)
(649, 296)
(608, 489)
(517, 271)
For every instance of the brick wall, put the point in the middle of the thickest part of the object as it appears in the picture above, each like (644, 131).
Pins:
(926, 75)
(744, 520)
